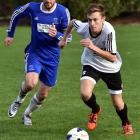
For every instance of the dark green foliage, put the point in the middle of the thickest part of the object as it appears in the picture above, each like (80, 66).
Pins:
(77, 7)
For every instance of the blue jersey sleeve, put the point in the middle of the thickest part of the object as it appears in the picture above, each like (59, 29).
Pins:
(19, 12)
(65, 19)
(64, 24)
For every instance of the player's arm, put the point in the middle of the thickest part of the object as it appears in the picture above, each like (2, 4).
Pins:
(68, 30)
(59, 34)
(104, 54)
(67, 33)
(64, 23)
(18, 13)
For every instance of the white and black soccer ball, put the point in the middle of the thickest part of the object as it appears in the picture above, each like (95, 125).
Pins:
(77, 134)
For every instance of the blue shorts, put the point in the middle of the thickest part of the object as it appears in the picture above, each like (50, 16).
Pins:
(47, 71)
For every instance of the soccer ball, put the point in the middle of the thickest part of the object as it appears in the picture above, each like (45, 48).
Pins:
(77, 134)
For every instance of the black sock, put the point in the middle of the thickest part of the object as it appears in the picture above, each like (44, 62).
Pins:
(93, 104)
(123, 115)
(22, 93)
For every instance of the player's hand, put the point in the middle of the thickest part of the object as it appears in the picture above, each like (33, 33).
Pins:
(62, 43)
(52, 31)
(8, 41)
(87, 43)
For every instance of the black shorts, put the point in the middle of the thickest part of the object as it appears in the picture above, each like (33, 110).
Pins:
(112, 80)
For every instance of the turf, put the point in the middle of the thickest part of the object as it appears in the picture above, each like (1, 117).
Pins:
(64, 109)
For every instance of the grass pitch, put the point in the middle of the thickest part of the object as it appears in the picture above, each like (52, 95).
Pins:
(64, 109)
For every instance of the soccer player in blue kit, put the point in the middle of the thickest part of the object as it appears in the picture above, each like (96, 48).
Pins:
(48, 21)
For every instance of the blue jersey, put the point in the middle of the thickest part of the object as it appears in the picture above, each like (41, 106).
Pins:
(42, 45)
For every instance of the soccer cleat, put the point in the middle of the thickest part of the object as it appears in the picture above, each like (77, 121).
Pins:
(27, 120)
(127, 129)
(13, 109)
(92, 121)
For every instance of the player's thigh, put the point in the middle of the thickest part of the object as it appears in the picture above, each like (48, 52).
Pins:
(86, 87)
(31, 79)
(32, 69)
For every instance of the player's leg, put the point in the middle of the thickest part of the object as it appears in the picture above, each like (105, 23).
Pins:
(114, 84)
(48, 80)
(33, 68)
(88, 80)
(35, 103)
(122, 111)
(29, 83)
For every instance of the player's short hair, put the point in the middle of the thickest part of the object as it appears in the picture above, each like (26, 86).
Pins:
(95, 7)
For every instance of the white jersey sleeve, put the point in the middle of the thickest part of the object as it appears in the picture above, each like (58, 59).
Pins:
(110, 43)
(80, 27)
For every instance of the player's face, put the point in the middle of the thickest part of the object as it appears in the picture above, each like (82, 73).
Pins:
(48, 4)
(95, 21)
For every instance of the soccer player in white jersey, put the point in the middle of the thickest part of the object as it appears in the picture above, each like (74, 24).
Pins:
(48, 21)
(100, 60)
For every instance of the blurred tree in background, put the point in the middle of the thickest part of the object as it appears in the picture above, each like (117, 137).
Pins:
(77, 7)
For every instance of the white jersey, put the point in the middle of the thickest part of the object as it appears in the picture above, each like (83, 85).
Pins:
(106, 40)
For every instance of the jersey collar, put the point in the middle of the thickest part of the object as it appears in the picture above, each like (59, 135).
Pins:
(45, 11)
(96, 35)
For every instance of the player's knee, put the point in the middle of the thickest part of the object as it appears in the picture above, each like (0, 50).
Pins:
(85, 95)
(42, 96)
(119, 106)
(31, 84)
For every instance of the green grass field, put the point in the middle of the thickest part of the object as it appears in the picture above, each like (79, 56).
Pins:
(63, 109)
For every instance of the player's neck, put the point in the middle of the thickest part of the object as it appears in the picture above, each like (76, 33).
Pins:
(48, 9)
(94, 34)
